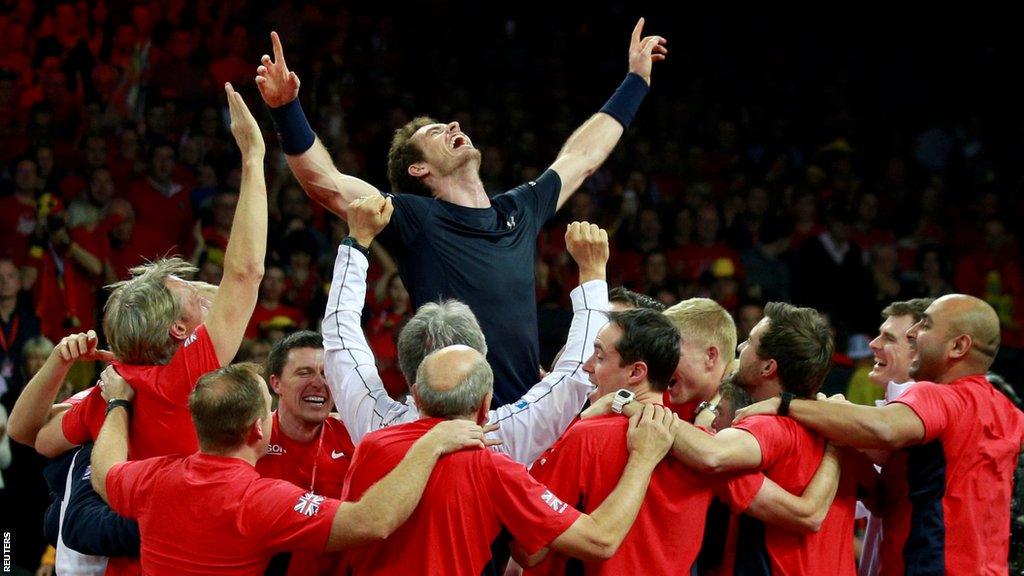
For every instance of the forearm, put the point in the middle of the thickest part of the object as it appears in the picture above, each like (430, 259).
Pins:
(388, 503)
(246, 250)
(849, 424)
(700, 451)
(111, 448)
(323, 182)
(804, 513)
(33, 407)
(87, 260)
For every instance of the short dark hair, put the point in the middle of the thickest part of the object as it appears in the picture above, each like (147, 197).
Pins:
(404, 153)
(225, 403)
(914, 308)
(278, 355)
(648, 337)
(634, 299)
(801, 343)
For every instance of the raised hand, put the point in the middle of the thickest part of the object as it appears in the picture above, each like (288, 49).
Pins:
(367, 217)
(114, 386)
(645, 51)
(82, 346)
(651, 432)
(588, 245)
(243, 126)
(277, 84)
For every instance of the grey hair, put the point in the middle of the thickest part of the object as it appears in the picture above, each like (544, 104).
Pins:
(464, 398)
(436, 325)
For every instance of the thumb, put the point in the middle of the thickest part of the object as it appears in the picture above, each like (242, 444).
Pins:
(104, 356)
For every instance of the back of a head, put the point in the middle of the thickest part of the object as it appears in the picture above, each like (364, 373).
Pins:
(140, 311)
(278, 356)
(404, 153)
(706, 322)
(434, 326)
(224, 405)
(648, 337)
(453, 382)
(801, 343)
(628, 299)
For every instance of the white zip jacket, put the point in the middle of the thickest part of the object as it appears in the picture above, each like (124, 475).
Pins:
(527, 427)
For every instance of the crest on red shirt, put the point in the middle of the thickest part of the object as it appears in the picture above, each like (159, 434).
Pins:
(309, 504)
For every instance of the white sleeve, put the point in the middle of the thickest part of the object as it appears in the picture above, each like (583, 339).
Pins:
(359, 394)
(531, 425)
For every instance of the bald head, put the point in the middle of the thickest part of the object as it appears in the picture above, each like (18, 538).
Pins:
(453, 382)
(973, 317)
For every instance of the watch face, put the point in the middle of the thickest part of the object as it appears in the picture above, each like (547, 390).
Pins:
(624, 394)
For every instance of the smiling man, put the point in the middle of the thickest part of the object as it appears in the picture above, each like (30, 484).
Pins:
(452, 240)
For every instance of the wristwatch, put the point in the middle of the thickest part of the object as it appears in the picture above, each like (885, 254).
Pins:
(350, 241)
(787, 397)
(621, 398)
(116, 402)
(707, 405)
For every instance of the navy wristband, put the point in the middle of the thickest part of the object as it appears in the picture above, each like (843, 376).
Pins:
(292, 128)
(626, 99)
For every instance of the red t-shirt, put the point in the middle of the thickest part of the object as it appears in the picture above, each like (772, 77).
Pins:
(585, 465)
(17, 224)
(170, 216)
(161, 423)
(205, 514)
(960, 478)
(471, 495)
(790, 455)
(262, 314)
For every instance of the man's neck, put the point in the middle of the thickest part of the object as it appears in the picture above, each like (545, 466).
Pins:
(245, 453)
(7, 305)
(766, 390)
(296, 428)
(463, 188)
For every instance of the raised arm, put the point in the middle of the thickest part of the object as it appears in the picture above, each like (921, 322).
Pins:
(591, 143)
(533, 423)
(890, 427)
(359, 394)
(597, 536)
(247, 245)
(34, 407)
(309, 160)
(390, 502)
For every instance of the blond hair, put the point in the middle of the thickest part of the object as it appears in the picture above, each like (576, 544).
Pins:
(704, 321)
(138, 315)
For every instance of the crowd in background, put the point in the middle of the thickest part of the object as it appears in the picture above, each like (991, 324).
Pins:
(763, 166)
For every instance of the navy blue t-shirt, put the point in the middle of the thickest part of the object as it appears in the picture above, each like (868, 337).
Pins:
(483, 257)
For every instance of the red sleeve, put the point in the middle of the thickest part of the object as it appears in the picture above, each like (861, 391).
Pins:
(195, 357)
(771, 436)
(283, 516)
(81, 423)
(739, 491)
(128, 483)
(531, 512)
(933, 404)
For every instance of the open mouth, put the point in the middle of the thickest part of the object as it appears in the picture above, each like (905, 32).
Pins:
(458, 141)
(317, 401)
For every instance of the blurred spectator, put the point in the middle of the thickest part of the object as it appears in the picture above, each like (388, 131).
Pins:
(18, 211)
(18, 325)
(270, 306)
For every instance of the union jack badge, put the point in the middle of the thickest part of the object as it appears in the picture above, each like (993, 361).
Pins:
(309, 504)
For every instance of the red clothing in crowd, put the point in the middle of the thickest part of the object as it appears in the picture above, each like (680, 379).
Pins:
(958, 521)
(162, 424)
(471, 495)
(261, 314)
(585, 466)
(692, 260)
(204, 514)
(17, 223)
(64, 293)
(381, 334)
(170, 216)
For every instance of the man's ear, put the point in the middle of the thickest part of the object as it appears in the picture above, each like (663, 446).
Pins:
(637, 373)
(483, 411)
(962, 345)
(275, 384)
(178, 330)
(711, 356)
(770, 368)
(256, 432)
(419, 170)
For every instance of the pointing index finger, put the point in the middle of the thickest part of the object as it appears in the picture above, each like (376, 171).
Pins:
(278, 51)
(637, 31)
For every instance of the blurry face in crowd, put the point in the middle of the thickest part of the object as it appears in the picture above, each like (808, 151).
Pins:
(101, 186)
(10, 281)
(892, 350)
(163, 163)
(273, 284)
(302, 388)
(26, 176)
(33, 361)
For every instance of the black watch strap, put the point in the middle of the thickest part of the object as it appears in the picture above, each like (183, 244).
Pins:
(787, 397)
(350, 241)
(112, 404)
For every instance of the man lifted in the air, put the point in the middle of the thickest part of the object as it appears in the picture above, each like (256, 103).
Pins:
(450, 239)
